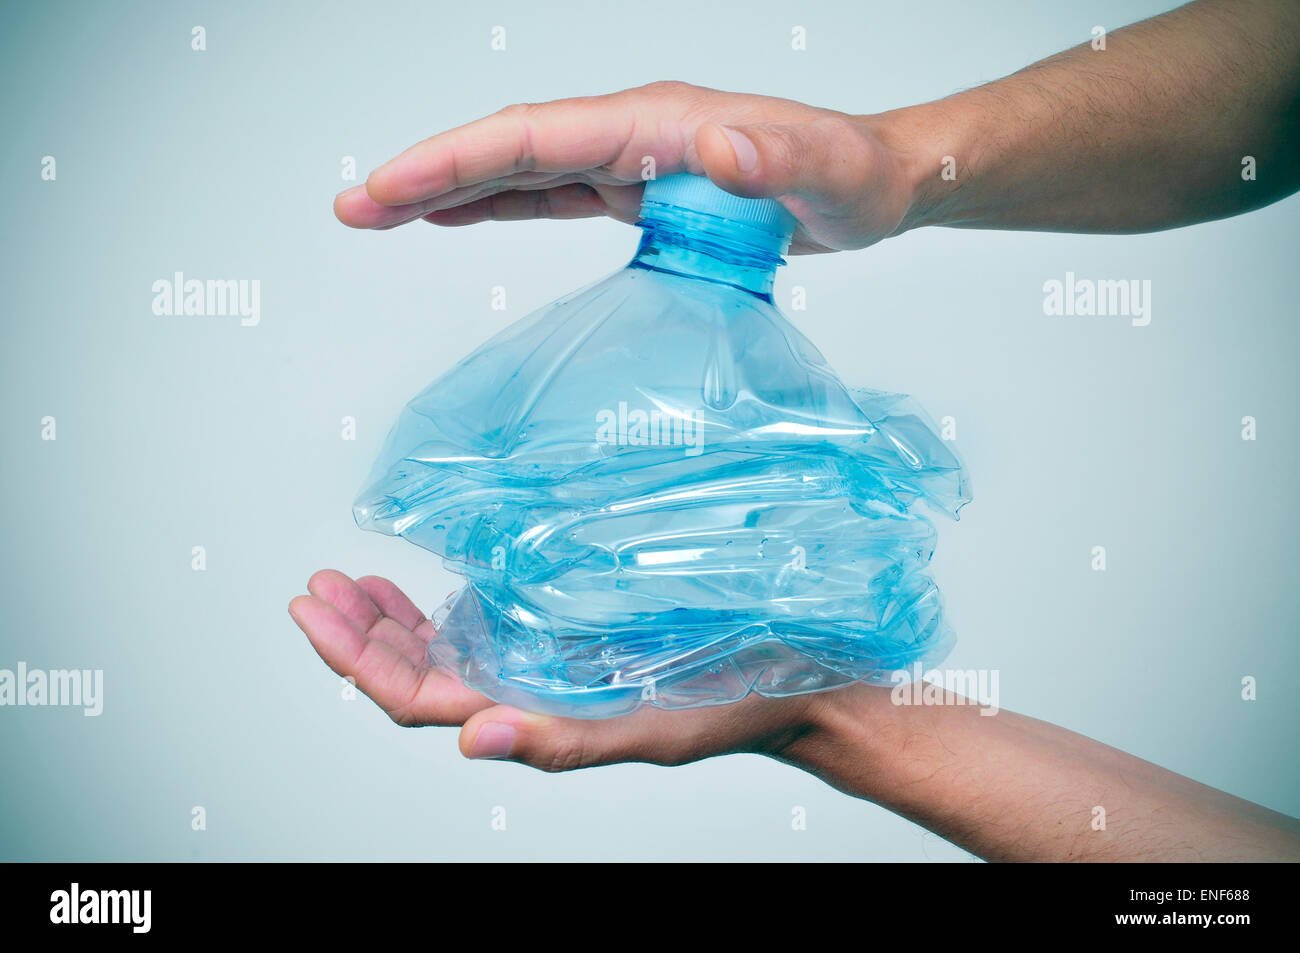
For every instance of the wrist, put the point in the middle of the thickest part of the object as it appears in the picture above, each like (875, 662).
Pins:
(848, 737)
(905, 143)
(934, 146)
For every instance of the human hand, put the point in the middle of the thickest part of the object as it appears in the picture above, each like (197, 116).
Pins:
(577, 158)
(368, 629)
(1008, 788)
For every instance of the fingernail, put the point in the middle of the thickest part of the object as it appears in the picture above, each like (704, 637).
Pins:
(494, 740)
(350, 188)
(746, 154)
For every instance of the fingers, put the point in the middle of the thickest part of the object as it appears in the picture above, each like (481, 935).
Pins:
(404, 626)
(601, 140)
(353, 207)
(566, 744)
(567, 201)
(390, 600)
(356, 208)
(544, 742)
(367, 630)
(346, 596)
(824, 157)
(560, 198)
(569, 135)
(385, 660)
(610, 136)
(652, 735)
(380, 670)
(356, 604)
(842, 184)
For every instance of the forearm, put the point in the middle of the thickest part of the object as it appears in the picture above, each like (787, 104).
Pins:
(1008, 787)
(1149, 133)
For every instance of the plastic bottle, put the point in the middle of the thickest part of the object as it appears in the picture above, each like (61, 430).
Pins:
(658, 491)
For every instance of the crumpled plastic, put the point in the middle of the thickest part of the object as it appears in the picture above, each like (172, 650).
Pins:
(658, 492)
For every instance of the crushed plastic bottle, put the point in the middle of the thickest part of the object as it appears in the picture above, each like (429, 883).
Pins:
(658, 491)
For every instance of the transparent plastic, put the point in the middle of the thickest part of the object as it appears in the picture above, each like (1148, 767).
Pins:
(658, 492)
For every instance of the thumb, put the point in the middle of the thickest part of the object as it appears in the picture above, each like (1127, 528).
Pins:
(541, 741)
(826, 159)
(649, 734)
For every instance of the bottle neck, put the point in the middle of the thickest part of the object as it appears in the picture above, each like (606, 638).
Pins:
(680, 242)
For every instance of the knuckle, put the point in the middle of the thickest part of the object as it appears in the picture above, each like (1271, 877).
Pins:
(786, 147)
(837, 128)
(519, 110)
(568, 755)
(404, 714)
(402, 717)
(370, 666)
(669, 87)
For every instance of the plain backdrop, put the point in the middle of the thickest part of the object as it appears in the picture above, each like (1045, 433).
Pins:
(177, 432)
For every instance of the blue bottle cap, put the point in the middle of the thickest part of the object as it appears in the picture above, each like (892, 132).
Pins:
(697, 194)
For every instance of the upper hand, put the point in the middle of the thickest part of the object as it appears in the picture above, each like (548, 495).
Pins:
(575, 158)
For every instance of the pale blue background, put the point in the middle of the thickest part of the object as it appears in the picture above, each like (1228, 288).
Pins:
(175, 432)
